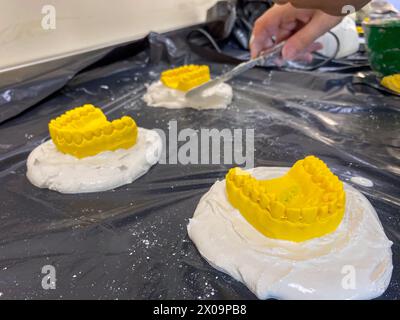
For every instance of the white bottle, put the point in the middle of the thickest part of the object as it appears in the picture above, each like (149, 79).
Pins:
(346, 32)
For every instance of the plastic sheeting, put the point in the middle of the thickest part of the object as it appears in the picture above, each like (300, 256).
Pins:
(24, 87)
(131, 242)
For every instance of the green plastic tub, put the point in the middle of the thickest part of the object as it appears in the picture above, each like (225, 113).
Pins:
(383, 45)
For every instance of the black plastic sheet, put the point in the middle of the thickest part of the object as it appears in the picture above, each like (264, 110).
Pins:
(24, 87)
(131, 242)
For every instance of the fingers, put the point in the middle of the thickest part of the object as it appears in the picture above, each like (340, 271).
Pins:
(306, 55)
(265, 28)
(278, 23)
(257, 45)
(301, 44)
(283, 22)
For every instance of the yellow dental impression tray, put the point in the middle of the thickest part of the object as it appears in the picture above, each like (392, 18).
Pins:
(392, 82)
(85, 131)
(307, 202)
(186, 77)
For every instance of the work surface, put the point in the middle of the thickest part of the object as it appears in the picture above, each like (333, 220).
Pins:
(131, 242)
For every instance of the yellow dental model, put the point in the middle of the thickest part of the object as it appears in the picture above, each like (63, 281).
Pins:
(186, 77)
(392, 82)
(307, 202)
(85, 131)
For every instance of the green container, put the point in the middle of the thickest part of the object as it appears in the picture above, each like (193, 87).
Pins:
(383, 45)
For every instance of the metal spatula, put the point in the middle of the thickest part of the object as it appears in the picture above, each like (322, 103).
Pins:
(197, 91)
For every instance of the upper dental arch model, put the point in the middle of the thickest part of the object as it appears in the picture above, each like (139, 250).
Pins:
(186, 77)
(85, 131)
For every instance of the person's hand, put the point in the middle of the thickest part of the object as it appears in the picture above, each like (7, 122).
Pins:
(300, 27)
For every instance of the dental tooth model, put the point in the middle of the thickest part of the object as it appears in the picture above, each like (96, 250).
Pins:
(392, 82)
(169, 91)
(88, 153)
(85, 131)
(186, 77)
(297, 233)
(307, 202)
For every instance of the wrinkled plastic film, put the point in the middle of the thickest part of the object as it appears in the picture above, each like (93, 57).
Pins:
(131, 242)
